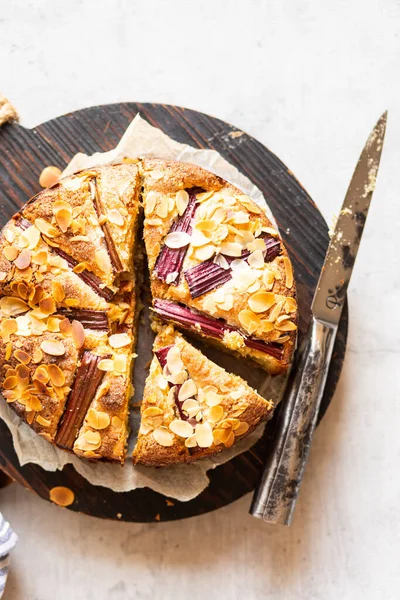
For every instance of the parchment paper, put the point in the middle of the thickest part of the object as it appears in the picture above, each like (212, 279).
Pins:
(182, 482)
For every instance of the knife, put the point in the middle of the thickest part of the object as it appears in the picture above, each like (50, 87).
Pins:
(276, 496)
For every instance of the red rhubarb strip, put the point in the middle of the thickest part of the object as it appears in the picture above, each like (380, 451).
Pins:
(87, 380)
(170, 260)
(90, 319)
(205, 277)
(197, 322)
(162, 359)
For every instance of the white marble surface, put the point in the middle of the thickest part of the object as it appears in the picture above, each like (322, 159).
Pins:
(308, 79)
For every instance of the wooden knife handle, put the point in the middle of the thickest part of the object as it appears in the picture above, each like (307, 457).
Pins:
(275, 498)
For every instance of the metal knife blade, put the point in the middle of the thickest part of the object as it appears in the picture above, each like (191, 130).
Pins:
(334, 279)
(276, 496)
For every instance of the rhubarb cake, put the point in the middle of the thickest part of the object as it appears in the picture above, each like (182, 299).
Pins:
(191, 407)
(69, 262)
(68, 310)
(218, 266)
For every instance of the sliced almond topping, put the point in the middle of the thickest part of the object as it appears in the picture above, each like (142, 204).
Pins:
(115, 217)
(199, 239)
(181, 201)
(3, 275)
(290, 305)
(188, 390)
(231, 249)
(37, 356)
(163, 437)
(221, 261)
(53, 347)
(276, 311)
(286, 326)
(57, 376)
(242, 428)
(97, 419)
(181, 428)
(42, 374)
(249, 204)
(116, 422)
(162, 207)
(204, 435)
(191, 407)
(46, 228)
(212, 398)
(152, 411)
(190, 442)
(58, 291)
(80, 267)
(23, 260)
(249, 321)
(289, 272)
(64, 219)
(7, 328)
(42, 421)
(10, 382)
(162, 382)
(10, 253)
(49, 176)
(31, 236)
(268, 279)
(103, 260)
(78, 334)
(203, 196)
(106, 364)
(215, 414)
(206, 225)
(154, 222)
(174, 361)
(256, 260)
(261, 301)
(205, 252)
(177, 239)
(151, 200)
(66, 327)
(266, 326)
(22, 371)
(119, 340)
(47, 306)
(22, 357)
(120, 363)
(93, 438)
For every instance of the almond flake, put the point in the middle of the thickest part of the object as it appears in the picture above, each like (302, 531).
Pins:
(215, 414)
(10, 253)
(53, 347)
(286, 326)
(12, 307)
(204, 435)
(58, 291)
(276, 311)
(256, 260)
(249, 321)
(162, 382)
(288, 272)
(56, 375)
(115, 217)
(190, 442)
(177, 239)
(205, 252)
(64, 219)
(119, 340)
(174, 361)
(191, 407)
(103, 260)
(23, 260)
(42, 421)
(150, 203)
(268, 279)
(47, 305)
(93, 438)
(207, 225)
(152, 411)
(181, 428)
(212, 398)
(181, 201)
(49, 176)
(188, 390)
(242, 428)
(97, 419)
(221, 261)
(199, 239)
(231, 249)
(78, 334)
(218, 215)
(154, 222)
(45, 228)
(106, 364)
(120, 363)
(290, 305)
(261, 301)
(249, 204)
(163, 437)
(162, 207)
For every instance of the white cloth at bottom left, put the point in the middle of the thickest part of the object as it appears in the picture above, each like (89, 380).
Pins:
(8, 539)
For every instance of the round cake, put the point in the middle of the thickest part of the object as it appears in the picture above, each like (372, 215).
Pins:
(70, 261)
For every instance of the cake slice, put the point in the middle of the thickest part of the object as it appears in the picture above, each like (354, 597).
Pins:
(68, 310)
(218, 266)
(191, 407)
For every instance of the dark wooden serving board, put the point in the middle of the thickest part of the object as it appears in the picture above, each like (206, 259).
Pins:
(23, 155)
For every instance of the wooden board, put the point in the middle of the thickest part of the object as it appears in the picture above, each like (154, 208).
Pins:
(23, 155)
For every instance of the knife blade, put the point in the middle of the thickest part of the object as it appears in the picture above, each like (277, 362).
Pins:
(275, 498)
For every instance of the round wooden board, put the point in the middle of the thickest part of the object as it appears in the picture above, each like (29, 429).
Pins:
(23, 155)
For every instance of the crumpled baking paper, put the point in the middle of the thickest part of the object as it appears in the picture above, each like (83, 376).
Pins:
(182, 482)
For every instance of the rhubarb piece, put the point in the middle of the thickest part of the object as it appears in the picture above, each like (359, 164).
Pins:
(170, 260)
(90, 319)
(23, 223)
(100, 210)
(89, 278)
(162, 359)
(216, 328)
(273, 247)
(205, 277)
(87, 380)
